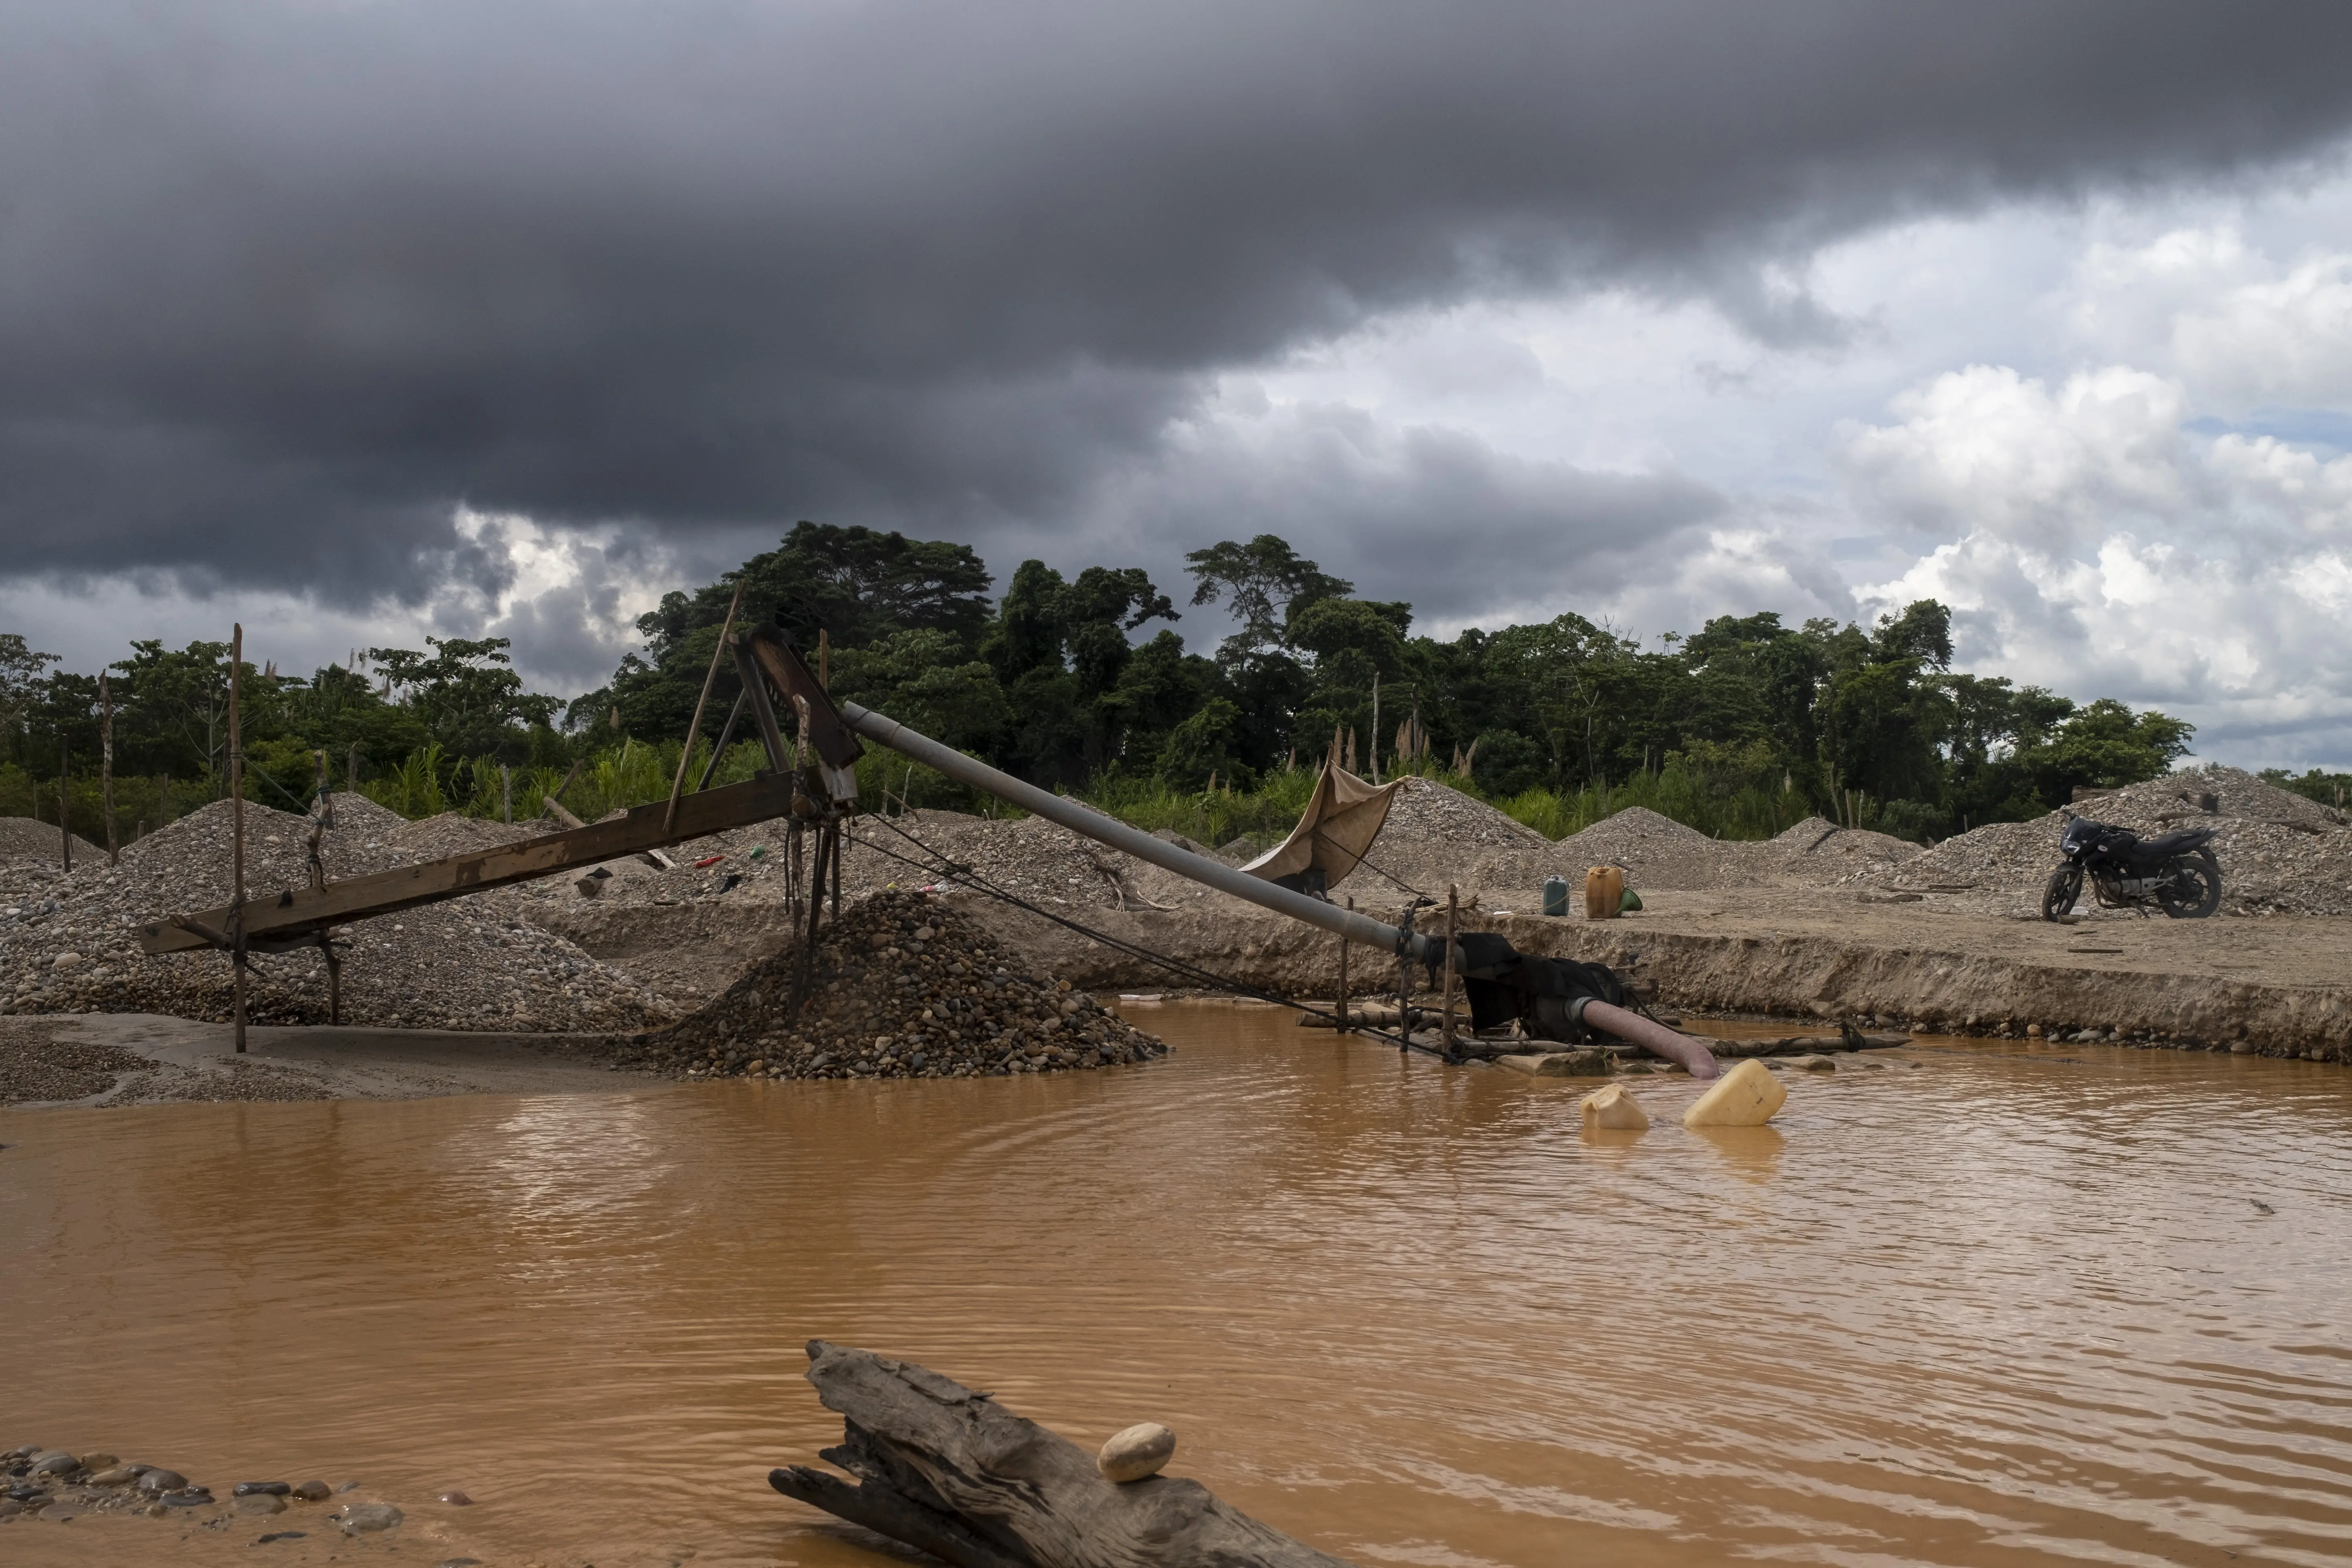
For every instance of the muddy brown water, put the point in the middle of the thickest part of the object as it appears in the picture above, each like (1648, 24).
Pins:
(1981, 1305)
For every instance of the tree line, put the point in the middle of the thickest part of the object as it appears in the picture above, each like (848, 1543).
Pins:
(1083, 683)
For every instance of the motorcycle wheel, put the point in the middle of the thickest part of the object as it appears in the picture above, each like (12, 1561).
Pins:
(2193, 889)
(2065, 887)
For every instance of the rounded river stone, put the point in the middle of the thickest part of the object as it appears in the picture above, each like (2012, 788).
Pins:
(1137, 1452)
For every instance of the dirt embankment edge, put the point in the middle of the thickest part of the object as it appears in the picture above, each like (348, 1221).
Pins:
(1963, 985)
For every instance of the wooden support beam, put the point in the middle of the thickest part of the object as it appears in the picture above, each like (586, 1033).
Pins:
(1453, 917)
(837, 746)
(238, 933)
(763, 711)
(951, 1473)
(294, 916)
(710, 678)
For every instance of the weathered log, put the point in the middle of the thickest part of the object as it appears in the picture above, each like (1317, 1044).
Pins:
(950, 1471)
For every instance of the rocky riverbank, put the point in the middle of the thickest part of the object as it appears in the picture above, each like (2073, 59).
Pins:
(56, 1486)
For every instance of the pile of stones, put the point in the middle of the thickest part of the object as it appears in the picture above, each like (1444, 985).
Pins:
(2279, 853)
(462, 964)
(900, 986)
(57, 1485)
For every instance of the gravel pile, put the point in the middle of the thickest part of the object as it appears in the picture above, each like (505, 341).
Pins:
(26, 838)
(2279, 853)
(901, 986)
(1818, 853)
(463, 965)
(1657, 852)
(37, 1065)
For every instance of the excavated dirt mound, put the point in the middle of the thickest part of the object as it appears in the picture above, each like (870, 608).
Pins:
(900, 986)
(463, 965)
(33, 840)
(2279, 853)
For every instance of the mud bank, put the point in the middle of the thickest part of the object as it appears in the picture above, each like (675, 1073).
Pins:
(2276, 986)
(144, 1059)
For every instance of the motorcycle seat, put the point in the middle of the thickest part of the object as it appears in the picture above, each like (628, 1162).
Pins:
(2164, 846)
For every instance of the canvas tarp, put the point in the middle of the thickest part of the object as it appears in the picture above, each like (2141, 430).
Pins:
(1342, 819)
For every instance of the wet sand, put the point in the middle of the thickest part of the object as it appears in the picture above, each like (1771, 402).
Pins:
(1980, 1305)
(187, 1060)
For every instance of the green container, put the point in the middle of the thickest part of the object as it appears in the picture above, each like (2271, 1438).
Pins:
(1555, 896)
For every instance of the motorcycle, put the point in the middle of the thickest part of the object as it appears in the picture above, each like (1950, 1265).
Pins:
(2175, 871)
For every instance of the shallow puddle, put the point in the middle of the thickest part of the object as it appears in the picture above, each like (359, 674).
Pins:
(1977, 1305)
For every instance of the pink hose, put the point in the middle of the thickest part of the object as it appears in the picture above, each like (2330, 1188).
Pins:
(1653, 1038)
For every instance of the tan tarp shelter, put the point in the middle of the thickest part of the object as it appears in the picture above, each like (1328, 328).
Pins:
(1342, 819)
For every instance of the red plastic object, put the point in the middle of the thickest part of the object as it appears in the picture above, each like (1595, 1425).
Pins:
(709, 860)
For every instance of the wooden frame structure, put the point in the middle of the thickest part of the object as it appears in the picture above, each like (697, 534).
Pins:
(813, 793)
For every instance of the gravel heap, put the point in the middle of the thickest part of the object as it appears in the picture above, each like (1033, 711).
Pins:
(35, 840)
(1657, 852)
(35, 1066)
(901, 986)
(1818, 853)
(2279, 853)
(462, 964)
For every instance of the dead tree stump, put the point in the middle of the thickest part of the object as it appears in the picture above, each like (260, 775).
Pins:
(953, 1473)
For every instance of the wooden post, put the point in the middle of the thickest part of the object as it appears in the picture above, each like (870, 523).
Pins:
(506, 794)
(351, 770)
(824, 659)
(236, 835)
(164, 802)
(106, 766)
(64, 810)
(694, 728)
(725, 735)
(1453, 915)
(1404, 990)
(322, 818)
(1373, 773)
(1344, 1026)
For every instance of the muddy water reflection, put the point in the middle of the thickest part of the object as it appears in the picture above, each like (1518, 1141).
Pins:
(1997, 1307)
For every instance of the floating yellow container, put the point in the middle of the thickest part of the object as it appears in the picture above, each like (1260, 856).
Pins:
(1747, 1096)
(1612, 1110)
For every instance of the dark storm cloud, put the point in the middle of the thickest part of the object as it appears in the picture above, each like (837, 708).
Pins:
(279, 284)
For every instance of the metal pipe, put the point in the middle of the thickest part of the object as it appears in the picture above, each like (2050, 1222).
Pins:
(1651, 1036)
(884, 730)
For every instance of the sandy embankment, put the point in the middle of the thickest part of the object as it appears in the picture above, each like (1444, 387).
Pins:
(2275, 986)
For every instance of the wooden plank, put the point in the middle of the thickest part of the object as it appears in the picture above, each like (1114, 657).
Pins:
(295, 912)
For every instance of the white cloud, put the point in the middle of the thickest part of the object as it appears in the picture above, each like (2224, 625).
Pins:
(2105, 547)
(2245, 329)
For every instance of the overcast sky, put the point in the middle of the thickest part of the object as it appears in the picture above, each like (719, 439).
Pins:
(364, 319)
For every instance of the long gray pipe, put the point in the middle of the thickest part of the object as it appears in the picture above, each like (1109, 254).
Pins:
(884, 730)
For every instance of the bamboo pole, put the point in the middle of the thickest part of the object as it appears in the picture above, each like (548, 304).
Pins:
(106, 766)
(718, 651)
(1452, 914)
(237, 834)
(65, 812)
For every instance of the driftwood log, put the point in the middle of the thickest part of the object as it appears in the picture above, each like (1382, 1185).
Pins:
(951, 1473)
